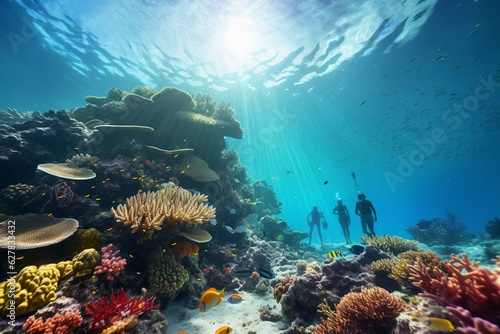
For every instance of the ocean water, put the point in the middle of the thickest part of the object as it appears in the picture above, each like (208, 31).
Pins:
(405, 94)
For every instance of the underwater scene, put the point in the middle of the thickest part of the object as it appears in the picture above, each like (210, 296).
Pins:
(250, 167)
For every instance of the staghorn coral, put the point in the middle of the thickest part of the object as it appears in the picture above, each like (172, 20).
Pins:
(167, 275)
(461, 283)
(111, 263)
(391, 244)
(369, 311)
(58, 324)
(147, 212)
(383, 265)
(282, 287)
(184, 248)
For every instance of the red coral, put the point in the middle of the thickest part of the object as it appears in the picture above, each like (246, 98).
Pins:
(58, 324)
(107, 311)
(477, 289)
(111, 263)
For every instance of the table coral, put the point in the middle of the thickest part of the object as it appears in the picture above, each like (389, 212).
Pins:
(461, 283)
(58, 324)
(391, 244)
(369, 311)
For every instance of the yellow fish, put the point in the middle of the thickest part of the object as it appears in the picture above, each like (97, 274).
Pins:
(334, 254)
(439, 323)
(224, 330)
(210, 298)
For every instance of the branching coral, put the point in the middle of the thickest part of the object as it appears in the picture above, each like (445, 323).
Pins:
(111, 263)
(391, 244)
(477, 289)
(369, 311)
(147, 212)
(400, 270)
(58, 324)
(107, 311)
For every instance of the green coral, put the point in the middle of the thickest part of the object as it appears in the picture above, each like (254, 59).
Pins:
(85, 239)
(115, 94)
(144, 91)
(167, 275)
(85, 262)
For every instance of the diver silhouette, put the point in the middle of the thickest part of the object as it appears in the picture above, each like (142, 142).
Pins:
(368, 214)
(313, 219)
(344, 219)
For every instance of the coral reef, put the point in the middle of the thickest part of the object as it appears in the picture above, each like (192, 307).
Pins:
(147, 212)
(63, 323)
(282, 287)
(111, 263)
(477, 289)
(183, 248)
(83, 160)
(17, 193)
(336, 279)
(166, 276)
(366, 312)
(493, 228)
(439, 231)
(391, 244)
(107, 311)
(44, 138)
(472, 325)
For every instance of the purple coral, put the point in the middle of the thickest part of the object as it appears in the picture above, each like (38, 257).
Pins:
(111, 263)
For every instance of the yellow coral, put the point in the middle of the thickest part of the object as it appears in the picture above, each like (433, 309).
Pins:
(184, 248)
(85, 262)
(383, 265)
(85, 239)
(147, 212)
(400, 270)
(391, 244)
(29, 290)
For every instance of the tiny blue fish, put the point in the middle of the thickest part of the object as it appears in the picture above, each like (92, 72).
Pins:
(213, 221)
(232, 211)
(240, 229)
(229, 229)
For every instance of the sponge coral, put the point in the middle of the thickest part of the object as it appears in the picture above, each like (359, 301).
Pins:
(369, 311)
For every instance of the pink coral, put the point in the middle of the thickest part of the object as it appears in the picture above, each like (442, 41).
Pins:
(58, 324)
(461, 283)
(111, 263)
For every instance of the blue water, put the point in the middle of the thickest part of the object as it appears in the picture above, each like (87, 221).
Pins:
(404, 94)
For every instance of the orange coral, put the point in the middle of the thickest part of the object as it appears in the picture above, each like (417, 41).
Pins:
(58, 324)
(369, 311)
(477, 289)
(184, 248)
(282, 287)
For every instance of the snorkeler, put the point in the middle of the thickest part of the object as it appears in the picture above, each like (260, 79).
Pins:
(344, 219)
(364, 209)
(313, 218)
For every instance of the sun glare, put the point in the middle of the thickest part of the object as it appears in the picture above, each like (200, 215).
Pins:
(239, 39)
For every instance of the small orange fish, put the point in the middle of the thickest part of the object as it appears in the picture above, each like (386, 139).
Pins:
(210, 298)
(224, 330)
(235, 299)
